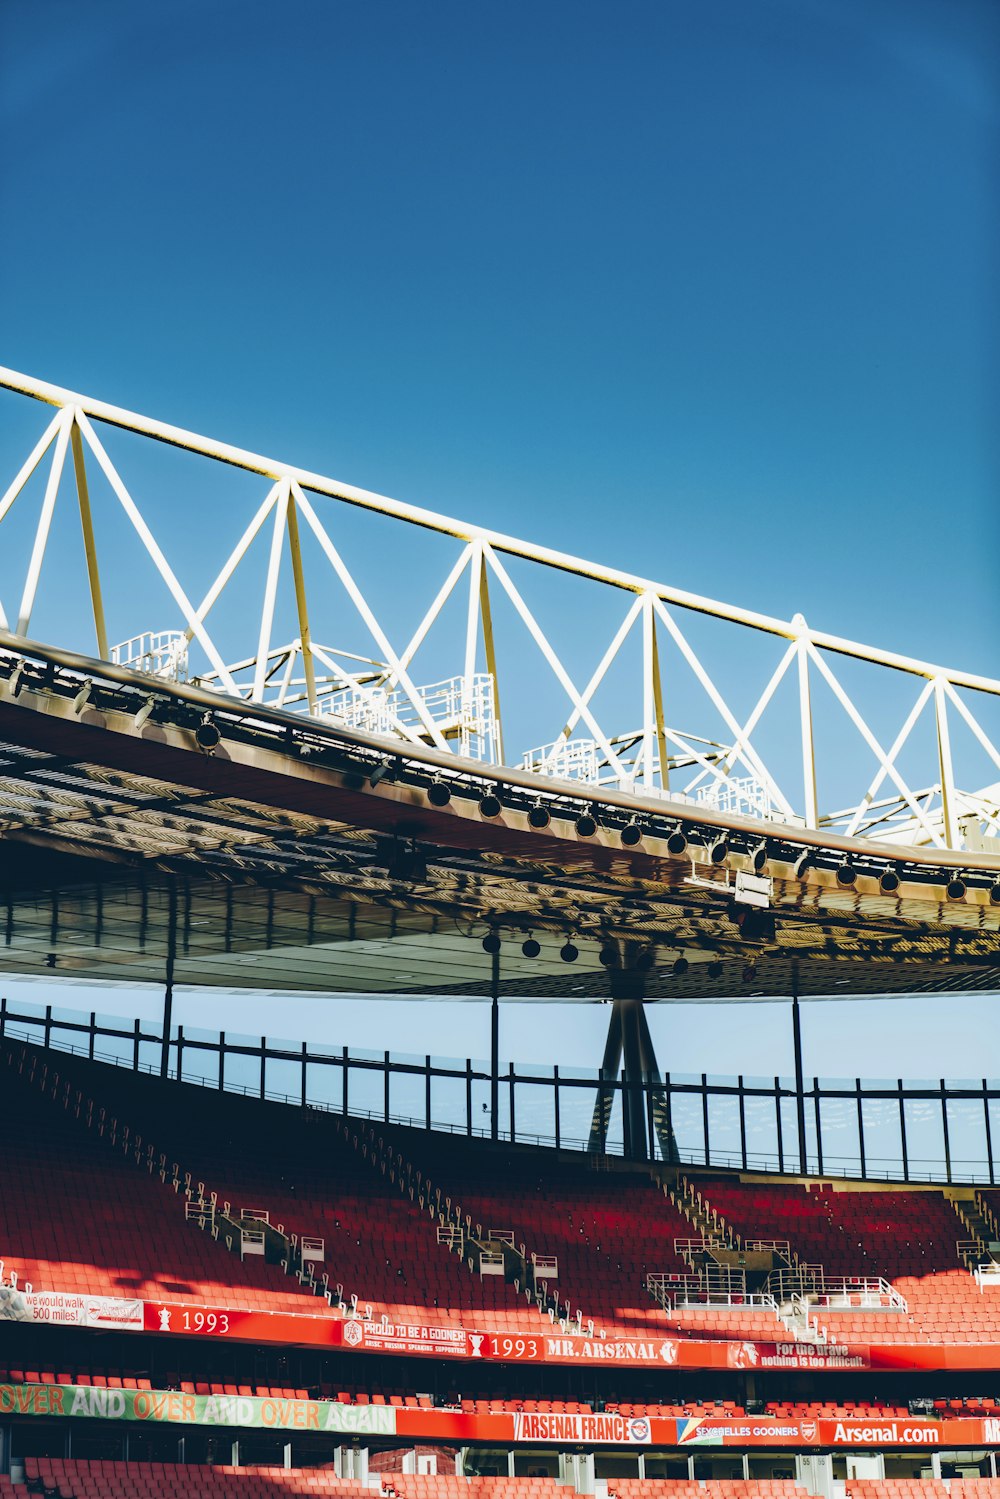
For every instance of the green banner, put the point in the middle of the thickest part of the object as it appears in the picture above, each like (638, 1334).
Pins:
(174, 1408)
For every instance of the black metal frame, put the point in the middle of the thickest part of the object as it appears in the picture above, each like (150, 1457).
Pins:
(83, 1035)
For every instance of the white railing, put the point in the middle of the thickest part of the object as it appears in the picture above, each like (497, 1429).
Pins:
(501, 1236)
(462, 709)
(256, 1215)
(312, 1248)
(545, 1266)
(813, 1288)
(768, 1246)
(251, 1242)
(452, 1236)
(568, 760)
(491, 1262)
(158, 653)
(743, 796)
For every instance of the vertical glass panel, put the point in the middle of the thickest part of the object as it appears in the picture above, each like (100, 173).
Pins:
(324, 1086)
(883, 1145)
(366, 1092)
(967, 1139)
(408, 1098)
(724, 1129)
(839, 1125)
(242, 1072)
(924, 1138)
(536, 1120)
(689, 1126)
(448, 1103)
(762, 1135)
(576, 1114)
(200, 1065)
(282, 1079)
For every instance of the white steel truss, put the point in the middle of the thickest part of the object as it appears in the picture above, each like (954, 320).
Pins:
(908, 785)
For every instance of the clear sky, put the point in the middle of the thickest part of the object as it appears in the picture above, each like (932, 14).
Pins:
(705, 290)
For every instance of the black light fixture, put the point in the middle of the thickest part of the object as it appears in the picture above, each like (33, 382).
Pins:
(16, 679)
(718, 850)
(491, 942)
(538, 816)
(680, 968)
(608, 955)
(995, 894)
(83, 696)
(846, 874)
(676, 840)
(749, 972)
(207, 735)
(144, 713)
(758, 857)
(569, 953)
(715, 970)
(803, 863)
(888, 880)
(383, 771)
(490, 805)
(586, 825)
(438, 793)
(631, 834)
(956, 888)
(530, 947)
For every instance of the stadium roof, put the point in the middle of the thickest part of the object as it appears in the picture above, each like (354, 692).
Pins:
(265, 864)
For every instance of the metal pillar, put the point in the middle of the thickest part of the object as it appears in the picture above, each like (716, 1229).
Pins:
(628, 1042)
(495, 1049)
(660, 1122)
(633, 1097)
(609, 1074)
(800, 1101)
(168, 996)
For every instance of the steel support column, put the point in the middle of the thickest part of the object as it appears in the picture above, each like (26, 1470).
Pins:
(168, 994)
(609, 1074)
(633, 1096)
(495, 1049)
(800, 1101)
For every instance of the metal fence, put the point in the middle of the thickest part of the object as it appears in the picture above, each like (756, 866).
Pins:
(878, 1130)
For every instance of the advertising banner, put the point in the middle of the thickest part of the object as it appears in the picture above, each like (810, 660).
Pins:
(526, 1428)
(173, 1408)
(67, 1309)
(329, 1330)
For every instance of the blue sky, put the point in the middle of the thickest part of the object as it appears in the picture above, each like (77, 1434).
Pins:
(702, 290)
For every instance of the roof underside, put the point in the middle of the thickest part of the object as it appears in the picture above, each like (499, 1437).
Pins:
(265, 873)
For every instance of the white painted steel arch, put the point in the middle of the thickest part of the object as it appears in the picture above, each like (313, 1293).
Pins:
(910, 786)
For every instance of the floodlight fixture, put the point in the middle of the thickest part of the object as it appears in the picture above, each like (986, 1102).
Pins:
(846, 874)
(491, 942)
(888, 880)
(207, 734)
(956, 888)
(676, 840)
(569, 953)
(538, 815)
(83, 696)
(490, 805)
(718, 850)
(438, 793)
(758, 857)
(631, 834)
(530, 947)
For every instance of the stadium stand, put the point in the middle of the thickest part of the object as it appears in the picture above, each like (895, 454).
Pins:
(98, 1164)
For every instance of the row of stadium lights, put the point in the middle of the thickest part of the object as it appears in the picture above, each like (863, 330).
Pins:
(608, 955)
(718, 850)
(208, 737)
